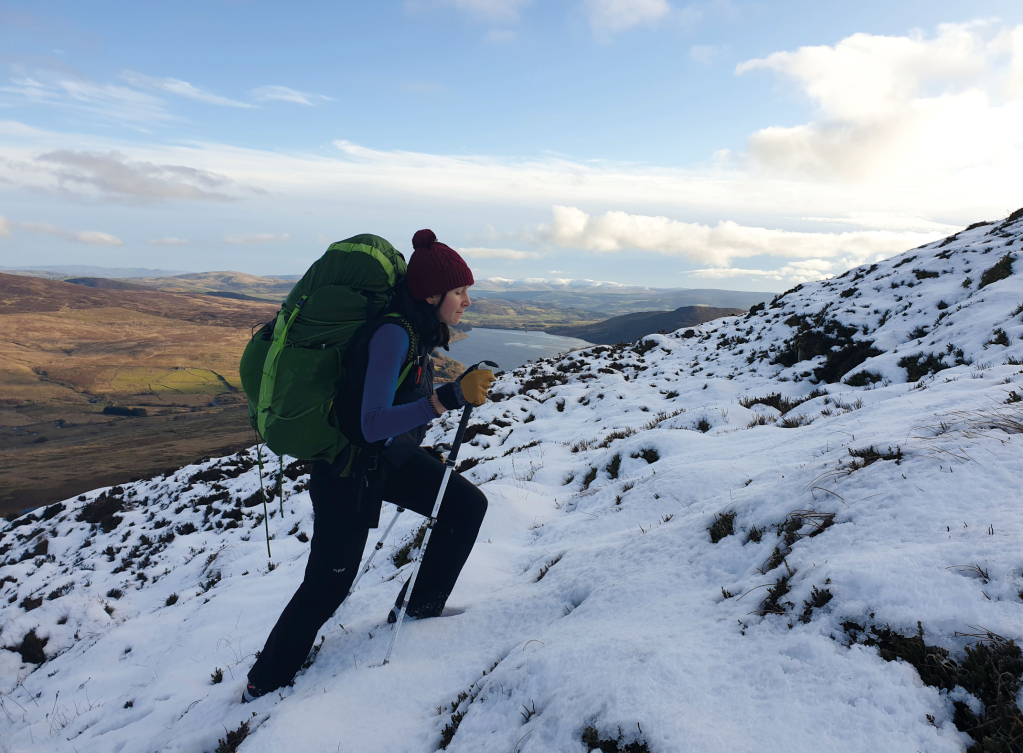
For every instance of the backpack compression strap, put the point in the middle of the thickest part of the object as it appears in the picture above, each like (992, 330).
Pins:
(412, 343)
(273, 357)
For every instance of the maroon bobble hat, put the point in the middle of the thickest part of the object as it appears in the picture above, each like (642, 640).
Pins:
(435, 268)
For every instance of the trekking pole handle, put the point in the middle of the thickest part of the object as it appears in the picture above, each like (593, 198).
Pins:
(464, 421)
(477, 365)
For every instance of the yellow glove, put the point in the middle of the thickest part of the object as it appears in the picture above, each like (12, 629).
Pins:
(475, 386)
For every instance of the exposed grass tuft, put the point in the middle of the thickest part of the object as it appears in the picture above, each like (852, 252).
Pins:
(991, 671)
(998, 337)
(921, 364)
(403, 555)
(723, 525)
(30, 648)
(1001, 270)
(776, 401)
(818, 598)
(234, 738)
(593, 741)
(794, 422)
(649, 455)
(868, 456)
(614, 466)
(546, 568)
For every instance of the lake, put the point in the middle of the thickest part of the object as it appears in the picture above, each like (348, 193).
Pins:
(511, 347)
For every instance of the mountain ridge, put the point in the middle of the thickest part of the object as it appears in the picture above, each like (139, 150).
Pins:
(631, 327)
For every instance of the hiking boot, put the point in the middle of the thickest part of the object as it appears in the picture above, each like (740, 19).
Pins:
(392, 616)
(251, 693)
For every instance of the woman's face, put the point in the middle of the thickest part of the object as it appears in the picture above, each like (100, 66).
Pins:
(452, 305)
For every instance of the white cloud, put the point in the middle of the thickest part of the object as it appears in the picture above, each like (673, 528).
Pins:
(609, 16)
(717, 245)
(118, 102)
(493, 10)
(704, 54)
(498, 253)
(255, 239)
(180, 88)
(5, 227)
(88, 237)
(169, 242)
(887, 221)
(791, 273)
(285, 94)
(900, 107)
(113, 174)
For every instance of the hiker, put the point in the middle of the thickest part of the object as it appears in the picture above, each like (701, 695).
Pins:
(393, 418)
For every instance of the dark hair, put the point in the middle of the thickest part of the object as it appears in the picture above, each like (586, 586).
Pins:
(442, 332)
(423, 316)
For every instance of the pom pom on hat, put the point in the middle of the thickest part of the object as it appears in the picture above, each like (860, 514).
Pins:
(434, 267)
(423, 239)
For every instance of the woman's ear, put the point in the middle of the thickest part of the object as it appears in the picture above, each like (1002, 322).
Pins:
(433, 300)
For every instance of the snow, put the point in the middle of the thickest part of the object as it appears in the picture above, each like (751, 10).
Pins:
(631, 630)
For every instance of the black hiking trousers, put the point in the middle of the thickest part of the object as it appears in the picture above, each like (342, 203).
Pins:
(338, 542)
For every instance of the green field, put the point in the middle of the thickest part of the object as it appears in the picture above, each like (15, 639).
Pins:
(180, 381)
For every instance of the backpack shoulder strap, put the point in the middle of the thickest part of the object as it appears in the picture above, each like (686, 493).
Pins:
(413, 342)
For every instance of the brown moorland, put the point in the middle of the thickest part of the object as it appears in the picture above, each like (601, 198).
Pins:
(69, 351)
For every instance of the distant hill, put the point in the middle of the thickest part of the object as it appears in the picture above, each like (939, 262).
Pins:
(60, 271)
(631, 327)
(234, 296)
(24, 295)
(504, 313)
(256, 288)
(612, 299)
(105, 283)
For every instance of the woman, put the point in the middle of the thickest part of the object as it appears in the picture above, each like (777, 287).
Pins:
(386, 423)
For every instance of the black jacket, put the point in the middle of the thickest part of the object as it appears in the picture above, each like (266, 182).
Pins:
(367, 463)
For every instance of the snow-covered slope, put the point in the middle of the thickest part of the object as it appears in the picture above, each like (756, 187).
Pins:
(668, 562)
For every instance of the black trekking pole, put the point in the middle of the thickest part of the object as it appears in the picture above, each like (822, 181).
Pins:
(449, 466)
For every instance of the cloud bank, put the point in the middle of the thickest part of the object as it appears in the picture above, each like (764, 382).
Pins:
(613, 232)
(88, 237)
(112, 174)
(181, 89)
(498, 253)
(899, 107)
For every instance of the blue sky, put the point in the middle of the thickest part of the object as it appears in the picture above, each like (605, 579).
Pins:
(712, 144)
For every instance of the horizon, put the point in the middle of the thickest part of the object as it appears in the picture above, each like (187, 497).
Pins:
(647, 142)
(60, 269)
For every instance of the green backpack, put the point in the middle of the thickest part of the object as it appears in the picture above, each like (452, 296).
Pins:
(291, 368)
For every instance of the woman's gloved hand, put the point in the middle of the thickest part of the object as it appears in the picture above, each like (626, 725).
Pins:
(470, 388)
(475, 386)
